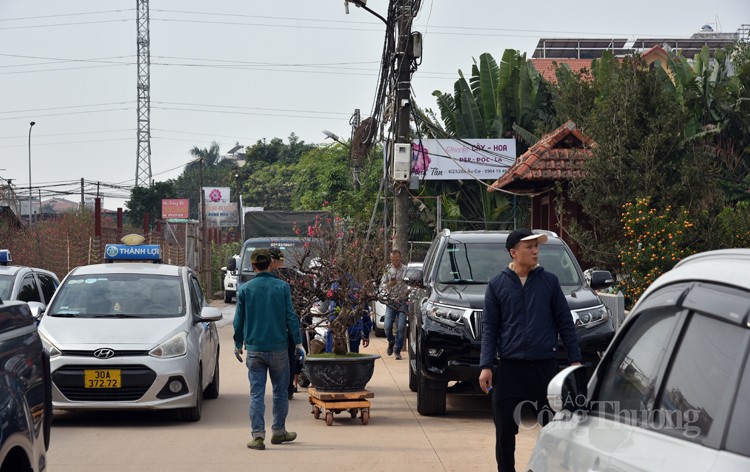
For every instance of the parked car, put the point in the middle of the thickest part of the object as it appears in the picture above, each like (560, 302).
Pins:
(25, 396)
(445, 315)
(28, 284)
(673, 390)
(230, 278)
(132, 334)
(378, 309)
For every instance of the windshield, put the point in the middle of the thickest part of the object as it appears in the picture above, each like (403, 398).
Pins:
(6, 286)
(477, 263)
(119, 296)
(290, 249)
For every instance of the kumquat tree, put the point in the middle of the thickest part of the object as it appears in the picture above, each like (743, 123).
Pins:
(654, 242)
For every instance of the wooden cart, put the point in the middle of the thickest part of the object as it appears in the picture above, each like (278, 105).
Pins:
(328, 403)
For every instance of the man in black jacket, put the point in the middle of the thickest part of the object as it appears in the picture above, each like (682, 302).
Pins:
(524, 311)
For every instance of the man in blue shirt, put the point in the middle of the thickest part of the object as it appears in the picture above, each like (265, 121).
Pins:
(264, 322)
(524, 311)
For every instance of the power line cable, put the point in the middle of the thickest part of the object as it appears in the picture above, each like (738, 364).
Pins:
(67, 14)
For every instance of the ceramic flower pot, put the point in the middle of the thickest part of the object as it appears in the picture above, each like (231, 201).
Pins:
(340, 374)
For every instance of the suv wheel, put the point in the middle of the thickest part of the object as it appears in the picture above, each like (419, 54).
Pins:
(430, 395)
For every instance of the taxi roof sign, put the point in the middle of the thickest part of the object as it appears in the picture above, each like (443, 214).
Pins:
(5, 257)
(125, 252)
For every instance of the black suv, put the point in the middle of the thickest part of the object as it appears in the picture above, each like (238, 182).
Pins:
(25, 391)
(445, 315)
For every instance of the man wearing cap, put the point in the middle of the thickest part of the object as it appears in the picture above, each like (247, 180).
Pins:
(524, 311)
(264, 321)
(284, 273)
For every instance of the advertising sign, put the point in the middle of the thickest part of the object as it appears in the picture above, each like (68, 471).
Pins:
(216, 194)
(221, 215)
(451, 159)
(175, 208)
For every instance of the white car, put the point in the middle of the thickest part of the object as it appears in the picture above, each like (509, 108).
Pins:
(132, 335)
(230, 278)
(672, 392)
(27, 284)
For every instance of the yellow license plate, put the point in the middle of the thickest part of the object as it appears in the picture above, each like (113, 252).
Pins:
(109, 378)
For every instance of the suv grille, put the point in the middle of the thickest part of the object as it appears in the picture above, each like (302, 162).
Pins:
(136, 380)
(474, 323)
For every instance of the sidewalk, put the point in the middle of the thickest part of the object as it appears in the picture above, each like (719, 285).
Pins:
(396, 437)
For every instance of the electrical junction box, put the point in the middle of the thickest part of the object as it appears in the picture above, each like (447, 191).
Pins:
(401, 167)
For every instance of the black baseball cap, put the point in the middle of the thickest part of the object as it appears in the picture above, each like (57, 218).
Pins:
(276, 254)
(260, 255)
(523, 235)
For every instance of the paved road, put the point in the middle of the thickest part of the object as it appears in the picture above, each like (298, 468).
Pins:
(397, 437)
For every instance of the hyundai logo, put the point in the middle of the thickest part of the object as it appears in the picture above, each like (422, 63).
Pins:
(104, 353)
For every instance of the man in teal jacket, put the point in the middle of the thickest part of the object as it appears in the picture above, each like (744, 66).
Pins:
(264, 322)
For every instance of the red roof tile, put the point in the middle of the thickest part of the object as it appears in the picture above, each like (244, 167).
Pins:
(546, 67)
(560, 155)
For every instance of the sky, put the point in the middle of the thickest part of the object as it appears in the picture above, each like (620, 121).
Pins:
(239, 71)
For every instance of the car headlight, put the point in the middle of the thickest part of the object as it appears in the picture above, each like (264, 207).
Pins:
(444, 313)
(51, 349)
(590, 317)
(173, 347)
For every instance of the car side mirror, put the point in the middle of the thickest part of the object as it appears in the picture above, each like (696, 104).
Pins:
(209, 313)
(601, 279)
(567, 390)
(413, 277)
(37, 309)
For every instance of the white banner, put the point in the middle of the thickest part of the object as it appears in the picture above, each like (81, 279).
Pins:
(221, 215)
(450, 159)
(216, 194)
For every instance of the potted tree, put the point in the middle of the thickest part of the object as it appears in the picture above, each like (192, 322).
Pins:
(340, 265)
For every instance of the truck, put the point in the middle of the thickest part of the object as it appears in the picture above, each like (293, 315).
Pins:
(282, 229)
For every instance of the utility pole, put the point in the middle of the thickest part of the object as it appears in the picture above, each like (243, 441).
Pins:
(403, 112)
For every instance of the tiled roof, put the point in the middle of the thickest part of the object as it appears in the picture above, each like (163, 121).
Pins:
(560, 155)
(546, 67)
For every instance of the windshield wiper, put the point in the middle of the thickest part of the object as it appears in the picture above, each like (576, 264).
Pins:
(462, 282)
(119, 315)
(63, 315)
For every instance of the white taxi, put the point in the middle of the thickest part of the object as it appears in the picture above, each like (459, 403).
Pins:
(132, 334)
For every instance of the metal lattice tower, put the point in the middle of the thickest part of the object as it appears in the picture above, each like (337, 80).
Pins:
(143, 163)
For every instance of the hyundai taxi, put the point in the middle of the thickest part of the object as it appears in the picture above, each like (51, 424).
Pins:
(132, 333)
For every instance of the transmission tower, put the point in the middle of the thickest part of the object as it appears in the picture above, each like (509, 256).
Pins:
(143, 163)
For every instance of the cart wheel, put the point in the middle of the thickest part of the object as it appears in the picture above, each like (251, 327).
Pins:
(316, 412)
(365, 416)
(329, 418)
(354, 412)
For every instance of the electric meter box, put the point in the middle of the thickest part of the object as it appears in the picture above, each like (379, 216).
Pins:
(401, 167)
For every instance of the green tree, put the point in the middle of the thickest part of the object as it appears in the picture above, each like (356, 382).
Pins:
(266, 175)
(148, 200)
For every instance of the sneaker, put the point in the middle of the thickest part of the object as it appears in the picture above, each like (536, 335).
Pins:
(398, 356)
(282, 438)
(390, 349)
(291, 395)
(257, 443)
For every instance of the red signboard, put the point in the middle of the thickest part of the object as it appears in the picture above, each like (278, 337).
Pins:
(175, 208)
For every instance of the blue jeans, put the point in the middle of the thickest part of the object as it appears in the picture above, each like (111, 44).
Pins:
(259, 365)
(390, 314)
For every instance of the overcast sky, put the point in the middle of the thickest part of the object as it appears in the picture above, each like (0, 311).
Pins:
(246, 70)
